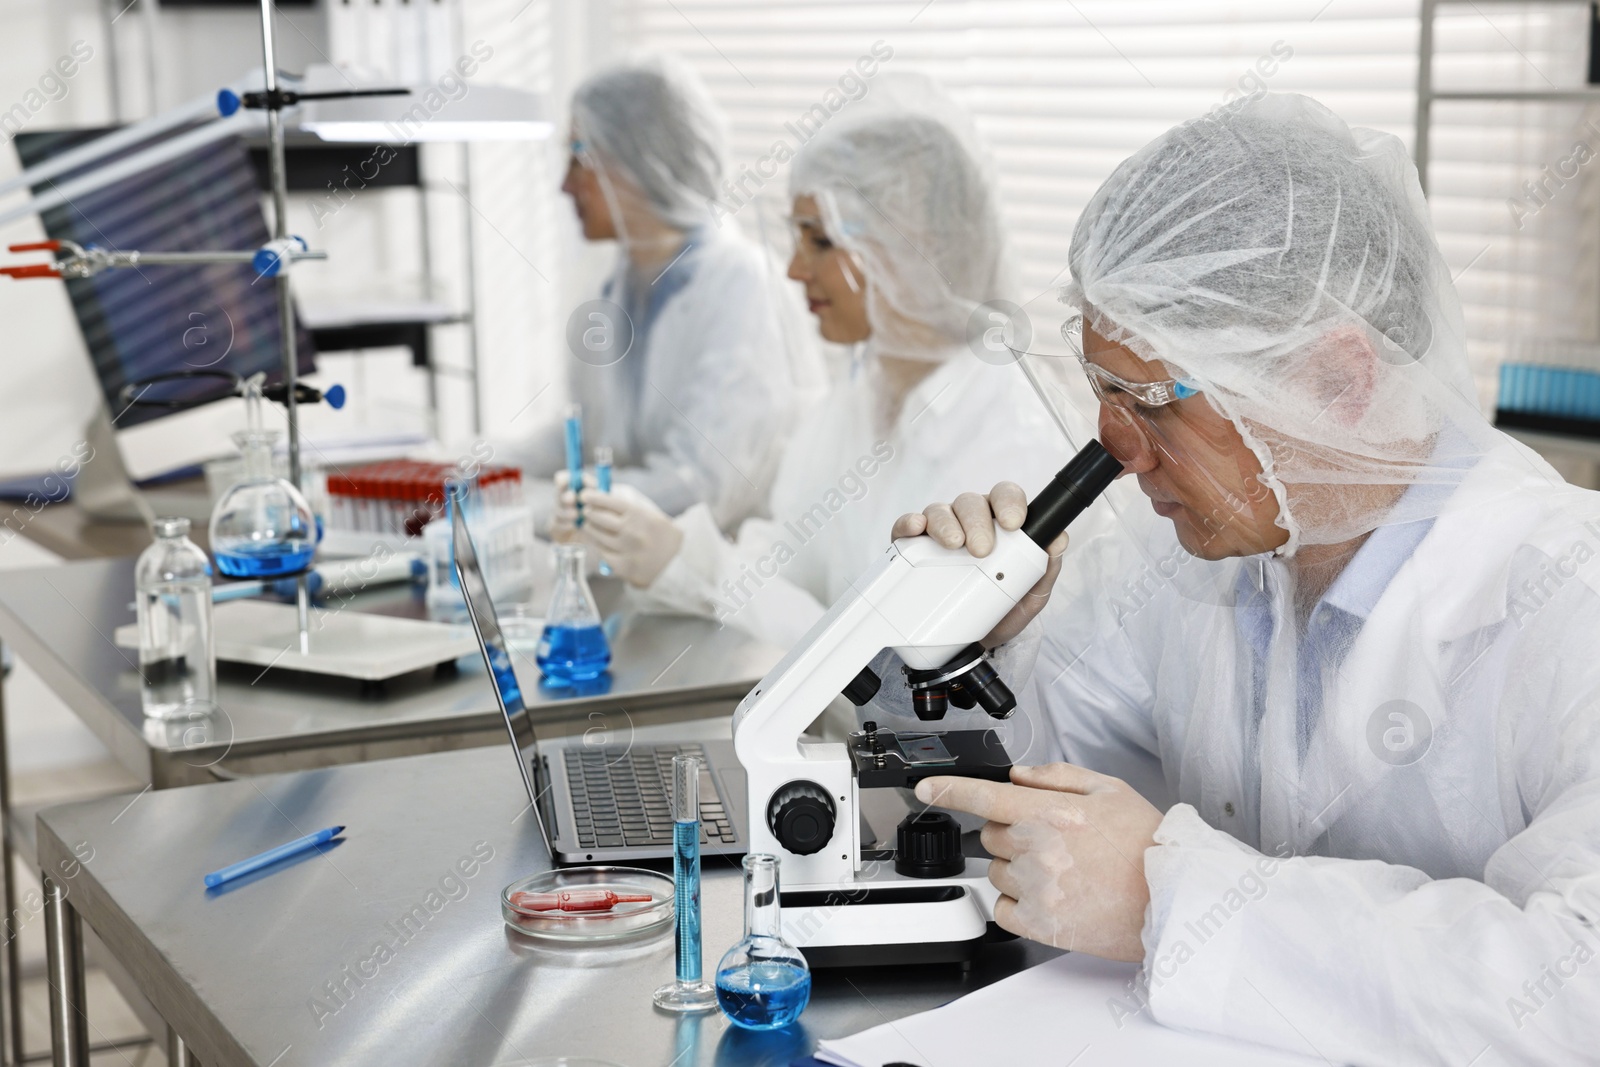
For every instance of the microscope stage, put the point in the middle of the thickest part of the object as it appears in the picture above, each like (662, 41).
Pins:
(885, 758)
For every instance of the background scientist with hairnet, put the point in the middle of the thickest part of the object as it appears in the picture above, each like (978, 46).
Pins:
(898, 242)
(1333, 774)
(693, 365)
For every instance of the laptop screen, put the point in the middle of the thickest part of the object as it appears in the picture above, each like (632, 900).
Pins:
(497, 657)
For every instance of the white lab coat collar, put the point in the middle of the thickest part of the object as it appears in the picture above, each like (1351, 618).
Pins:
(1461, 568)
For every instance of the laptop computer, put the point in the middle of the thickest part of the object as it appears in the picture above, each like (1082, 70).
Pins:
(599, 802)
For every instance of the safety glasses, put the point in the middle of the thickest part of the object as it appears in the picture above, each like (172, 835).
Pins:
(1118, 391)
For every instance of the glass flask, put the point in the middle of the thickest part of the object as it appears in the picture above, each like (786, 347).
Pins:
(262, 527)
(763, 982)
(573, 647)
(177, 656)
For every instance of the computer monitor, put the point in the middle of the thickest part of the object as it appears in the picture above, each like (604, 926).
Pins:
(153, 320)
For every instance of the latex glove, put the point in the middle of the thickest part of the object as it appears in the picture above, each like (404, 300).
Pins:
(564, 522)
(1069, 850)
(631, 534)
(970, 521)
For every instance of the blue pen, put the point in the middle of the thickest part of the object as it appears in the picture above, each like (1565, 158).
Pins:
(575, 455)
(271, 856)
(602, 481)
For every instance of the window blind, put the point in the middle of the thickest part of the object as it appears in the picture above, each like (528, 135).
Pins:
(1063, 90)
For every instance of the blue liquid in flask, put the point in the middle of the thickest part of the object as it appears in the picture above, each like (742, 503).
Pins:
(268, 560)
(763, 995)
(569, 654)
(686, 896)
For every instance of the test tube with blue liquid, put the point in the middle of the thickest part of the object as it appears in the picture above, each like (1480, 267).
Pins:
(688, 992)
(602, 481)
(575, 456)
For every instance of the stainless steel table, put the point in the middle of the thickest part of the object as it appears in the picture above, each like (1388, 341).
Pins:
(381, 951)
(60, 620)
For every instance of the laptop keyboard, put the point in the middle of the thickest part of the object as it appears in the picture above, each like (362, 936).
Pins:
(621, 795)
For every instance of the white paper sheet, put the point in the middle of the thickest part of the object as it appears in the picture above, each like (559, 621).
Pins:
(1074, 1011)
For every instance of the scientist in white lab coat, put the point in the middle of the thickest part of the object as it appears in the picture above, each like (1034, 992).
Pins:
(897, 244)
(1330, 716)
(693, 364)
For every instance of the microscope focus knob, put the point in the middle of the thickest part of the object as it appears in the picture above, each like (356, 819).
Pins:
(801, 817)
(928, 845)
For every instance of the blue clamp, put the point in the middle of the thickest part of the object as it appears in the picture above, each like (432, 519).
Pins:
(269, 261)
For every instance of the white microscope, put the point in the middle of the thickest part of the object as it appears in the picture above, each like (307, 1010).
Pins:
(921, 901)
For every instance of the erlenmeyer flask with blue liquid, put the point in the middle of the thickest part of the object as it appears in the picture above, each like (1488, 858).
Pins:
(573, 647)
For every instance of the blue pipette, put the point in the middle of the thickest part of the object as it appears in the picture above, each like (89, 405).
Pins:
(575, 456)
(271, 856)
(602, 481)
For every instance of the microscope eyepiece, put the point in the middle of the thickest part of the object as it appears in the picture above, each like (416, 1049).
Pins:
(1070, 492)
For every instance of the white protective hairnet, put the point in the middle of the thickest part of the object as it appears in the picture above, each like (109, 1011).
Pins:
(900, 185)
(1381, 779)
(648, 126)
(1285, 261)
(706, 364)
(902, 188)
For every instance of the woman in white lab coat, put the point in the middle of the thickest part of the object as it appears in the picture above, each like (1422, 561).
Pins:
(693, 364)
(898, 242)
(1348, 667)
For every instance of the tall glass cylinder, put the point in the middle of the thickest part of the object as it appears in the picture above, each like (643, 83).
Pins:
(688, 992)
(686, 863)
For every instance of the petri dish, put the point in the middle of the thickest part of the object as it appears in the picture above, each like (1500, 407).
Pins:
(629, 919)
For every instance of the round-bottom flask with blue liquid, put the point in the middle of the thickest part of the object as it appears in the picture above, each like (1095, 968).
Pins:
(573, 647)
(262, 526)
(763, 982)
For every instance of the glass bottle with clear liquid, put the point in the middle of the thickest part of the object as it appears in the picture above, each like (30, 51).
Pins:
(573, 647)
(262, 527)
(177, 655)
(763, 982)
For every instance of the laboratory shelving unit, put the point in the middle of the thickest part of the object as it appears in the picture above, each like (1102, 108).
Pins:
(310, 164)
(1571, 435)
(1427, 94)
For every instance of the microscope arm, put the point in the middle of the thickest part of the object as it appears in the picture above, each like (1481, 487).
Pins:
(927, 603)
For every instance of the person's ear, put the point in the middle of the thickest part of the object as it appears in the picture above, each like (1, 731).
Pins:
(1340, 372)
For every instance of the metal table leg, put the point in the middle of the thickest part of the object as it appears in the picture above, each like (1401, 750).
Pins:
(69, 1021)
(178, 1054)
(11, 1044)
